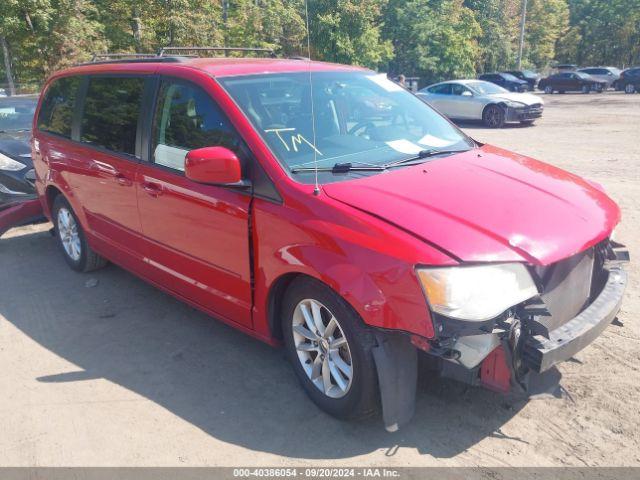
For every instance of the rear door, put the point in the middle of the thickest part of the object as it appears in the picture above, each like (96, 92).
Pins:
(106, 161)
(196, 236)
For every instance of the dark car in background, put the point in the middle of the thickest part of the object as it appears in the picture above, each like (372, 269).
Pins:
(629, 80)
(607, 75)
(570, 82)
(506, 80)
(528, 76)
(17, 176)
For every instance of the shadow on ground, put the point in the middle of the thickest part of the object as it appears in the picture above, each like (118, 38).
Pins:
(220, 380)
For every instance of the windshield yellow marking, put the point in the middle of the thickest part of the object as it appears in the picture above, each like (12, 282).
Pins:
(296, 139)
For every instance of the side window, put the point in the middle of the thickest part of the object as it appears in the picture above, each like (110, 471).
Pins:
(187, 118)
(444, 89)
(111, 111)
(56, 112)
(457, 89)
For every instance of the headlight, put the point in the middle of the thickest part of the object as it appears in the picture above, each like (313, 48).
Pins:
(10, 164)
(511, 104)
(476, 293)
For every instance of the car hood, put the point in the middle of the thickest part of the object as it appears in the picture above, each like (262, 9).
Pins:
(488, 205)
(16, 145)
(525, 98)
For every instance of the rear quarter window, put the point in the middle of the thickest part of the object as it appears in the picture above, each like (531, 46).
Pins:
(111, 110)
(56, 112)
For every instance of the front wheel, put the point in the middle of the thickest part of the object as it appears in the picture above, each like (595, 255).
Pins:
(629, 88)
(330, 350)
(586, 89)
(548, 89)
(72, 240)
(493, 116)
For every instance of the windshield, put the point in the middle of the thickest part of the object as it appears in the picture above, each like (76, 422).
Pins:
(360, 118)
(529, 74)
(509, 77)
(16, 113)
(486, 88)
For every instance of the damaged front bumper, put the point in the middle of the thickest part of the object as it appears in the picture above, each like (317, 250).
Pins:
(524, 113)
(540, 353)
(529, 337)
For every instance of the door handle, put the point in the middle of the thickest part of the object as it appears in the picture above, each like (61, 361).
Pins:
(104, 168)
(152, 189)
(122, 180)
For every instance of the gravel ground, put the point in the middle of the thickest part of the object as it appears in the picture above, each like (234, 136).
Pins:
(103, 369)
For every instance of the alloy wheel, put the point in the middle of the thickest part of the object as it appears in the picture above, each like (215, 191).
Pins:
(68, 232)
(322, 348)
(629, 88)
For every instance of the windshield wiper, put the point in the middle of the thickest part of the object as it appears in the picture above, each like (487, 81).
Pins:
(341, 168)
(422, 155)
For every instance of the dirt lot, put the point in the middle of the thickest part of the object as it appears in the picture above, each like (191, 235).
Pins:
(119, 373)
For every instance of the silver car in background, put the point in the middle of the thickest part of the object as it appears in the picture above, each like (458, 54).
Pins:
(480, 100)
(607, 75)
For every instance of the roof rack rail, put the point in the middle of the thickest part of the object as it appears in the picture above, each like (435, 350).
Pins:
(163, 50)
(106, 56)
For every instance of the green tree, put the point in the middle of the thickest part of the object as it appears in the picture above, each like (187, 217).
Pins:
(547, 21)
(433, 39)
(349, 31)
(498, 20)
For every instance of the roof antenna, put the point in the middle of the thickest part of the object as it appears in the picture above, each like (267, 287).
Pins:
(316, 189)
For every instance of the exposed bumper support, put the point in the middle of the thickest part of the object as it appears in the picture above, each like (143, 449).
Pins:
(540, 353)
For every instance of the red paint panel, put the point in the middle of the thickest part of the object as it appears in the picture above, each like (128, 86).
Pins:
(19, 213)
(488, 205)
(495, 372)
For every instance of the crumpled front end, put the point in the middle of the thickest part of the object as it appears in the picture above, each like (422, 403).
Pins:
(578, 298)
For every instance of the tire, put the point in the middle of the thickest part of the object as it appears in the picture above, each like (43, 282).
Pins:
(72, 240)
(493, 116)
(585, 89)
(351, 398)
(629, 88)
(548, 89)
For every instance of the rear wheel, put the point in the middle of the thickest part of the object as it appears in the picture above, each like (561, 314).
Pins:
(629, 88)
(585, 89)
(72, 240)
(330, 350)
(493, 116)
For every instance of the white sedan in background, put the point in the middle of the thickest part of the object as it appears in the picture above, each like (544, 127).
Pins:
(480, 100)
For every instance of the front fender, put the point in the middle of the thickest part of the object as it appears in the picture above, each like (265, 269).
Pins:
(364, 259)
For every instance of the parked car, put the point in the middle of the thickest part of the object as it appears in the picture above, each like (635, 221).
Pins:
(629, 80)
(17, 176)
(606, 75)
(570, 82)
(506, 80)
(528, 76)
(244, 187)
(479, 100)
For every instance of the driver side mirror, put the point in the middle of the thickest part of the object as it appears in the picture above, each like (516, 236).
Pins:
(214, 166)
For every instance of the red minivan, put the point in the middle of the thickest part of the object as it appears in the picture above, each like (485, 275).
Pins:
(326, 208)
